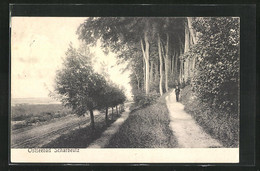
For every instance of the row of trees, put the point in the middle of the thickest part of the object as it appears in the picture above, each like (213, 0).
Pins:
(82, 89)
(163, 52)
(153, 47)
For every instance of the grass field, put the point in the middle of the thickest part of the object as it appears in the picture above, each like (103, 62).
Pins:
(219, 124)
(24, 115)
(146, 128)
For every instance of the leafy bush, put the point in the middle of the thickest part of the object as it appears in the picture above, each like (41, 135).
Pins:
(216, 77)
(142, 99)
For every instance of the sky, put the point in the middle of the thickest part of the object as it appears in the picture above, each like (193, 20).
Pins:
(38, 45)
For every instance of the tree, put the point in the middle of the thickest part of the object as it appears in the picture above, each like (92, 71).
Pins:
(161, 65)
(135, 39)
(120, 34)
(118, 97)
(79, 86)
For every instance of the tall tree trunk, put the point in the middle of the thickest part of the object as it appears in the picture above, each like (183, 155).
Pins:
(138, 81)
(92, 119)
(147, 49)
(173, 63)
(112, 115)
(117, 111)
(192, 32)
(175, 69)
(156, 75)
(144, 73)
(180, 75)
(180, 61)
(193, 41)
(186, 48)
(161, 65)
(151, 72)
(106, 115)
(166, 63)
(187, 39)
(146, 61)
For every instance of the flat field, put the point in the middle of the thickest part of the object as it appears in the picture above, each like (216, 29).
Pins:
(24, 115)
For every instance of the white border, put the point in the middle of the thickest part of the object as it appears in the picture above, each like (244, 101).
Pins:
(162, 155)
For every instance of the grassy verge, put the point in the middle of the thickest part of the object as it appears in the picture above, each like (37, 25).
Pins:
(82, 137)
(219, 124)
(145, 128)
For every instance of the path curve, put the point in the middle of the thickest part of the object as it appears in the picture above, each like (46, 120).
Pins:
(188, 133)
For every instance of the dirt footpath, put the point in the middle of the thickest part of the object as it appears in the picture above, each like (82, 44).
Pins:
(188, 133)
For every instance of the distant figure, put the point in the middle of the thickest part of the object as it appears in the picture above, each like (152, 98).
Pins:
(177, 92)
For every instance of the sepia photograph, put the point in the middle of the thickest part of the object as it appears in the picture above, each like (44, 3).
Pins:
(129, 89)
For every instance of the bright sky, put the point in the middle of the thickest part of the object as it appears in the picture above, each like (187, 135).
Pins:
(37, 47)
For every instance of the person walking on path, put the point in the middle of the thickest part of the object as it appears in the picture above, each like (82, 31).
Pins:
(177, 93)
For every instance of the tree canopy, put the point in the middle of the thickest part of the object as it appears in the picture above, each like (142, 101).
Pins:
(165, 51)
(81, 88)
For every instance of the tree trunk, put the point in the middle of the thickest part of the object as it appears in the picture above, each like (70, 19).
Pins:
(166, 59)
(106, 115)
(156, 76)
(192, 32)
(186, 48)
(180, 61)
(151, 72)
(193, 41)
(173, 63)
(147, 85)
(112, 115)
(161, 65)
(92, 119)
(180, 75)
(138, 81)
(146, 60)
(144, 73)
(187, 39)
(175, 69)
(117, 111)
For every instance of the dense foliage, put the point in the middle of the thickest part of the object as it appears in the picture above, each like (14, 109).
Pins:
(216, 78)
(162, 52)
(141, 99)
(136, 40)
